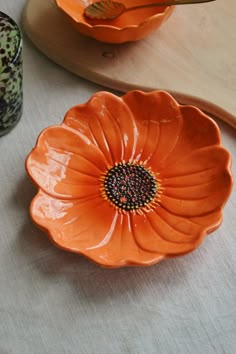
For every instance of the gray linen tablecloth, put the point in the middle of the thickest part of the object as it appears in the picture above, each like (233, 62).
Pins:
(55, 302)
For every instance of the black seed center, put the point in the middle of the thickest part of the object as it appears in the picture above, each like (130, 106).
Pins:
(130, 186)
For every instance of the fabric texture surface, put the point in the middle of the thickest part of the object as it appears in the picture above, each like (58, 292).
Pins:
(52, 301)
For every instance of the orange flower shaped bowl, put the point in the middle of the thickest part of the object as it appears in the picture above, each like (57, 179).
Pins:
(130, 180)
(131, 26)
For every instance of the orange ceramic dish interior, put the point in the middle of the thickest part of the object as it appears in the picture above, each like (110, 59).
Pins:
(131, 26)
(130, 180)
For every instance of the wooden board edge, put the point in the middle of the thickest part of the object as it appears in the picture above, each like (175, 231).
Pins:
(208, 107)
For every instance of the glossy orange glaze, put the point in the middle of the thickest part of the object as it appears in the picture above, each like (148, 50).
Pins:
(181, 146)
(131, 26)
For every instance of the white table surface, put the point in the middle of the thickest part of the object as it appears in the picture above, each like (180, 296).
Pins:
(56, 302)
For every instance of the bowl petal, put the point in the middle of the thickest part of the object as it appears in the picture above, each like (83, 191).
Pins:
(64, 165)
(197, 131)
(153, 234)
(159, 122)
(190, 226)
(73, 224)
(197, 161)
(108, 123)
(123, 248)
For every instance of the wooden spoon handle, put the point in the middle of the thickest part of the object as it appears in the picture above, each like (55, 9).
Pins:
(169, 3)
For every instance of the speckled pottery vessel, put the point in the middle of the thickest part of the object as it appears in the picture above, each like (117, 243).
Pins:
(11, 94)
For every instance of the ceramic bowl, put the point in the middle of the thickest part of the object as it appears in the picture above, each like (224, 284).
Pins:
(131, 26)
(131, 180)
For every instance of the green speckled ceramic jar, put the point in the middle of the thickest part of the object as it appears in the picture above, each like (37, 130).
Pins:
(11, 94)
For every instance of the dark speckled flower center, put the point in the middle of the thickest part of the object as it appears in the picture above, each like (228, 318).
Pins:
(130, 186)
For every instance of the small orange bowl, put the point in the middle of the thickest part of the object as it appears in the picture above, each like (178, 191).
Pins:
(130, 26)
(130, 181)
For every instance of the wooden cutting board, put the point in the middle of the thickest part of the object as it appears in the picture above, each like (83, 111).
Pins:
(192, 56)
